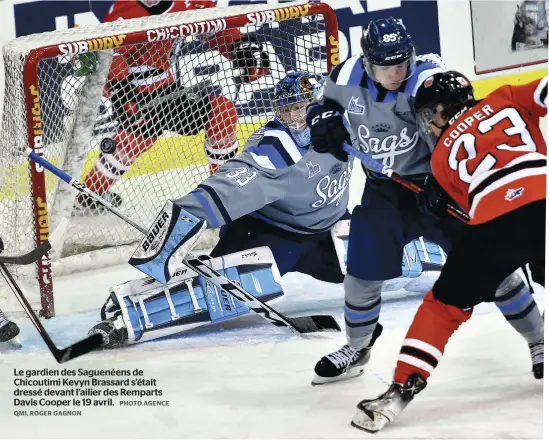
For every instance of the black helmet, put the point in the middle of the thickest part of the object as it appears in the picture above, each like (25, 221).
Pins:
(451, 90)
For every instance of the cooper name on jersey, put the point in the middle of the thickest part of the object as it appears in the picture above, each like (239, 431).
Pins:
(332, 189)
(387, 148)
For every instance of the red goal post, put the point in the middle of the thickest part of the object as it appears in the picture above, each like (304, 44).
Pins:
(31, 65)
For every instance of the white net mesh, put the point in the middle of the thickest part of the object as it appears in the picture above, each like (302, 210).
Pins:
(170, 111)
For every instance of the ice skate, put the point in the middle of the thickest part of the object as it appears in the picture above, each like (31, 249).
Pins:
(345, 363)
(536, 352)
(113, 330)
(373, 415)
(9, 331)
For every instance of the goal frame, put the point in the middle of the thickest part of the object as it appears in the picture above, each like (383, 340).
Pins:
(33, 112)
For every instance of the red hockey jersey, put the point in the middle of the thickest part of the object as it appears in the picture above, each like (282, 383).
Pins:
(492, 159)
(147, 67)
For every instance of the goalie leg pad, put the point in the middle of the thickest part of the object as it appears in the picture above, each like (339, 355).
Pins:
(411, 264)
(170, 238)
(151, 310)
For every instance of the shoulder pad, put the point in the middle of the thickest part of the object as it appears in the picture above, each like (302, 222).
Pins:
(431, 58)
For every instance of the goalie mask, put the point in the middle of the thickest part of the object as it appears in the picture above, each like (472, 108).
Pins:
(292, 96)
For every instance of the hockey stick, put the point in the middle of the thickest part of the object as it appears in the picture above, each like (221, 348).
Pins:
(61, 355)
(39, 251)
(302, 324)
(389, 172)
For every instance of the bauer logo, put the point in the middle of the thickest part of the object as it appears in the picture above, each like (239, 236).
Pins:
(257, 18)
(91, 45)
(201, 27)
(153, 238)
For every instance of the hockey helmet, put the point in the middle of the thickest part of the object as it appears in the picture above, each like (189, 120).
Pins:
(441, 98)
(388, 52)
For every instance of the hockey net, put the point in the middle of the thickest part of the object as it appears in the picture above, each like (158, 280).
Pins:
(55, 103)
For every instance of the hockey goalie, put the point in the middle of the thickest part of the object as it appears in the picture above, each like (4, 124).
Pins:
(147, 99)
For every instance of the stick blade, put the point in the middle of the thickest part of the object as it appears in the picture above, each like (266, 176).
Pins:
(314, 323)
(79, 348)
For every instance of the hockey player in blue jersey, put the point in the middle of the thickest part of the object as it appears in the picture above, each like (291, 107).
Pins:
(276, 205)
(377, 89)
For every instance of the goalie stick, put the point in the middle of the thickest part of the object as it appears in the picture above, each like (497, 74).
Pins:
(389, 172)
(61, 355)
(301, 324)
(39, 251)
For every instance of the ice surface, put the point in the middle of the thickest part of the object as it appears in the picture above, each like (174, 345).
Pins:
(248, 379)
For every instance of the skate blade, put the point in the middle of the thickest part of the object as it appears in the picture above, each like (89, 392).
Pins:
(370, 421)
(319, 380)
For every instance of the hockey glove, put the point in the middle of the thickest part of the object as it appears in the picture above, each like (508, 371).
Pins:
(328, 131)
(250, 58)
(433, 200)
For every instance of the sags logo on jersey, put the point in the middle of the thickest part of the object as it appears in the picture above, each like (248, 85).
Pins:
(331, 190)
(355, 107)
(388, 148)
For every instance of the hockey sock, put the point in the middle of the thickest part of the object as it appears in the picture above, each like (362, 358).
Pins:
(110, 167)
(221, 142)
(514, 300)
(427, 336)
(362, 307)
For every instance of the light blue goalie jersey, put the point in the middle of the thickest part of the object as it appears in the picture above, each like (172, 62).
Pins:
(383, 122)
(276, 180)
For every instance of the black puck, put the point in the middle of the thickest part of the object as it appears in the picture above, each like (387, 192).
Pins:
(107, 145)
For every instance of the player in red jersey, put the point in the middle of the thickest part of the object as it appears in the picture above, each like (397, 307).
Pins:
(490, 159)
(140, 78)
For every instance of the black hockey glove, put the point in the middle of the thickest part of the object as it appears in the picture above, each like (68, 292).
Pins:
(250, 58)
(433, 200)
(328, 132)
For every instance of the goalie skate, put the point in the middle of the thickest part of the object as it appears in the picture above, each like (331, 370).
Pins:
(113, 330)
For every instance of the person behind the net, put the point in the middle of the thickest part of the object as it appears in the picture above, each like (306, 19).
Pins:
(377, 89)
(140, 74)
(490, 160)
(274, 194)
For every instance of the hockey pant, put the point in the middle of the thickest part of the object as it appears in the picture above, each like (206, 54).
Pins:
(138, 132)
(152, 310)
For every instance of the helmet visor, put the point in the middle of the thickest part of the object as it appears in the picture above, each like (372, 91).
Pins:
(390, 74)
